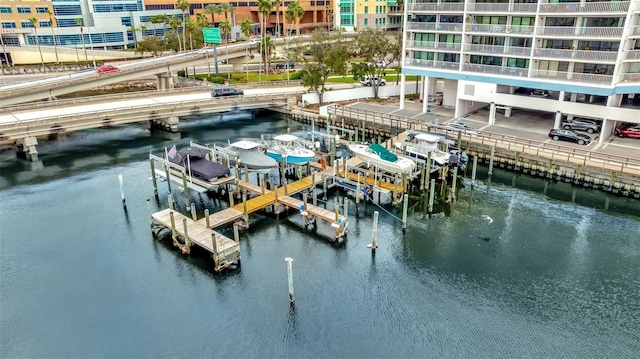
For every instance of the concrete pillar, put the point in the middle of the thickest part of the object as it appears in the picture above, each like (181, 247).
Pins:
(461, 108)
(238, 63)
(28, 148)
(512, 90)
(160, 83)
(492, 113)
(403, 80)
(558, 120)
(425, 94)
(507, 111)
(572, 98)
(173, 123)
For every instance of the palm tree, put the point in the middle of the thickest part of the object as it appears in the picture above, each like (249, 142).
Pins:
(264, 8)
(327, 8)
(190, 26)
(134, 31)
(174, 22)
(53, 36)
(246, 27)
(159, 19)
(183, 5)
(288, 16)
(84, 47)
(266, 49)
(211, 9)
(297, 12)
(227, 9)
(225, 28)
(33, 22)
(277, 5)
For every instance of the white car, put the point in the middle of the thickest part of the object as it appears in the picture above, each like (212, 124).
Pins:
(458, 126)
(369, 81)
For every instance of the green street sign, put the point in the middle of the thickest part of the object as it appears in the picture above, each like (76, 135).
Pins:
(211, 35)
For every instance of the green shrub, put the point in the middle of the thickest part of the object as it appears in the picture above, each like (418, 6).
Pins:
(181, 73)
(296, 75)
(217, 79)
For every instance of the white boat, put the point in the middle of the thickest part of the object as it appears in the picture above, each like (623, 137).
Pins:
(290, 149)
(379, 156)
(251, 156)
(420, 146)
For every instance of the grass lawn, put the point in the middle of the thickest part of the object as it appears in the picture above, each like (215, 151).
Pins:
(241, 78)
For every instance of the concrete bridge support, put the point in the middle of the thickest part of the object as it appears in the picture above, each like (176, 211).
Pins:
(27, 148)
(169, 124)
(165, 81)
(238, 63)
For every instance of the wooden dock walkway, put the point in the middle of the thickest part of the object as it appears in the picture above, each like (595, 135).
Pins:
(225, 251)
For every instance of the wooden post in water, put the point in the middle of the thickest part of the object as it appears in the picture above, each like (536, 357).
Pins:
(473, 169)
(405, 183)
(236, 187)
(173, 228)
(493, 149)
(153, 178)
(231, 203)
(358, 194)
(184, 186)
(337, 210)
(124, 202)
(236, 233)
(214, 248)
(149, 211)
(346, 206)
(460, 140)
(304, 201)
(206, 218)
(374, 234)
(405, 207)
(289, 260)
(427, 171)
(422, 172)
(324, 186)
(244, 209)
(432, 194)
(186, 236)
(194, 216)
(453, 183)
(275, 203)
(246, 174)
(170, 200)
(168, 174)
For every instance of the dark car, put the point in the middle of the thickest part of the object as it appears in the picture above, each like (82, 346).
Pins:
(285, 65)
(628, 131)
(540, 93)
(581, 124)
(226, 91)
(560, 134)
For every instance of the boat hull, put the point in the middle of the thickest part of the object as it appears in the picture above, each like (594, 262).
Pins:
(290, 159)
(403, 165)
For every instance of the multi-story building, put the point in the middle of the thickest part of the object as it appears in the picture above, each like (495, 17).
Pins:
(484, 51)
(357, 14)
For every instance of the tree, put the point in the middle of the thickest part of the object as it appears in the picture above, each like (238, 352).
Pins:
(227, 9)
(151, 44)
(84, 46)
(264, 8)
(34, 22)
(159, 19)
(377, 52)
(53, 36)
(212, 9)
(277, 5)
(296, 12)
(327, 53)
(246, 27)
(289, 16)
(225, 29)
(174, 22)
(184, 5)
(189, 26)
(266, 50)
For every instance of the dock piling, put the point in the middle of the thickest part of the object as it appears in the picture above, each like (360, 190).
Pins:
(473, 169)
(206, 218)
(186, 236)
(124, 202)
(346, 206)
(173, 229)
(453, 183)
(324, 187)
(244, 209)
(170, 200)
(289, 260)
(374, 234)
(236, 233)
(153, 177)
(194, 215)
(337, 210)
(275, 203)
(432, 192)
(493, 150)
(405, 207)
(149, 210)
(166, 171)
(231, 202)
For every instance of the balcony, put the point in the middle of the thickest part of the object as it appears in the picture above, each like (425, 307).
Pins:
(500, 29)
(596, 32)
(630, 78)
(605, 7)
(435, 7)
(572, 77)
(498, 49)
(587, 55)
(431, 45)
(433, 26)
(496, 70)
(444, 65)
(632, 55)
(505, 7)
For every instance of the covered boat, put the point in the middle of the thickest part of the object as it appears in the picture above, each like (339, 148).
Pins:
(423, 143)
(290, 149)
(195, 162)
(252, 157)
(377, 155)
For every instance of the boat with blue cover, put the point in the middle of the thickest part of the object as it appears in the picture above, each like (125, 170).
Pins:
(289, 148)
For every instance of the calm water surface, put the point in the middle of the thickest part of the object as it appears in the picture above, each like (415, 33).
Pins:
(81, 278)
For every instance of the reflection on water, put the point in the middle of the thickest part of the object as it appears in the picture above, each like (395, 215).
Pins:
(555, 275)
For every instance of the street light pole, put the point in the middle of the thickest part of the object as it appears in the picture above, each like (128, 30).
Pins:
(92, 50)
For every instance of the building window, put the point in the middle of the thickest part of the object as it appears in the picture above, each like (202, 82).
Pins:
(5, 10)
(24, 10)
(366, 9)
(9, 25)
(126, 21)
(26, 24)
(61, 10)
(45, 23)
(366, 22)
(67, 22)
(42, 10)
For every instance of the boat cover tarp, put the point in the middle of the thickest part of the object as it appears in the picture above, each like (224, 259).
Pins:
(194, 161)
(383, 152)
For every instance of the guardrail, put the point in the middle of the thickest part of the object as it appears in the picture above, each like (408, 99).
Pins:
(377, 118)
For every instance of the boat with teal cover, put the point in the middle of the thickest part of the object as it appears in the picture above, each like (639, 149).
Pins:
(377, 155)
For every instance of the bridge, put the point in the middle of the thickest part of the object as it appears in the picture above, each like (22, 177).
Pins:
(22, 125)
(162, 68)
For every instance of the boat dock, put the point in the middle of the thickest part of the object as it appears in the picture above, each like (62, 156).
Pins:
(225, 251)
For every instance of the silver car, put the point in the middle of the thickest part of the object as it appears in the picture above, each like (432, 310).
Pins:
(581, 124)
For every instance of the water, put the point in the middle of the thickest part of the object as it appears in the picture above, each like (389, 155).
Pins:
(82, 278)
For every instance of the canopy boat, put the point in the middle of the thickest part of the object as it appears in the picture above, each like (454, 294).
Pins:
(290, 149)
(252, 157)
(379, 156)
(195, 162)
(420, 146)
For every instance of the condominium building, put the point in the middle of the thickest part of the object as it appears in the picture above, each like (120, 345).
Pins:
(485, 51)
(357, 14)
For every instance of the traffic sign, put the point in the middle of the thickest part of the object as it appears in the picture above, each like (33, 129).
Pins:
(211, 35)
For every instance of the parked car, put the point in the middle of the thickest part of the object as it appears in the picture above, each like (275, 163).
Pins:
(255, 40)
(459, 126)
(105, 69)
(581, 124)
(226, 91)
(628, 131)
(540, 93)
(560, 134)
(369, 81)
